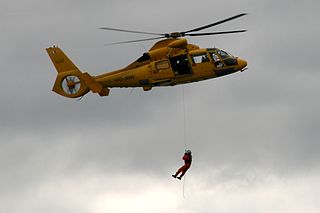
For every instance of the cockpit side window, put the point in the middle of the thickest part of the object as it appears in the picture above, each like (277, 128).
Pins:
(216, 59)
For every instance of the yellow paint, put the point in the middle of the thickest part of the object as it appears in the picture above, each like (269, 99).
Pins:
(169, 62)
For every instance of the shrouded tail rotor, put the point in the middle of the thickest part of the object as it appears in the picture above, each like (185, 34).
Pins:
(71, 85)
(70, 81)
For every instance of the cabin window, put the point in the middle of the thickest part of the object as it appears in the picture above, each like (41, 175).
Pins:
(201, 58)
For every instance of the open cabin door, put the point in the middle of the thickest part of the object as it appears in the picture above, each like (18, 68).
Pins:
(181, 65)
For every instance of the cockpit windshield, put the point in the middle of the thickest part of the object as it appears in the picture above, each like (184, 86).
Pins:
(224, 54)
(227, 58)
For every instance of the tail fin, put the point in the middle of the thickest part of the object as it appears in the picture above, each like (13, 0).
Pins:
(70, 81)
(61, 62)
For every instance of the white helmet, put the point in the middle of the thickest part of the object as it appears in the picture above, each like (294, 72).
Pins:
(188, 151)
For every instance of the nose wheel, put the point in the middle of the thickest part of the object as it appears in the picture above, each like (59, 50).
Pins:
(71, 84)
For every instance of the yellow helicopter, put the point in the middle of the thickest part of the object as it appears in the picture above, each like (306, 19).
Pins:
(169, 62)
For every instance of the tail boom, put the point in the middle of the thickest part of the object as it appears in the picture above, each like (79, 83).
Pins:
(70, 81)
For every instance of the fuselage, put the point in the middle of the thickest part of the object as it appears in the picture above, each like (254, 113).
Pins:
(169, 62)
(192, 65)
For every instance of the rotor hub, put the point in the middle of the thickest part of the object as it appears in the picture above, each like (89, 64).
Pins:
(71, 84)
(175, 35)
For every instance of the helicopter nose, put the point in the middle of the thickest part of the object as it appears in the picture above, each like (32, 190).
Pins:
(242, 63)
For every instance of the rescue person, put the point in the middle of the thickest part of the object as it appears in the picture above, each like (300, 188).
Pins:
(187, 157)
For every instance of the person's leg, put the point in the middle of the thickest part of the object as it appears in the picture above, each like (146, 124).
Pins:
(184, 170)
(181, 169)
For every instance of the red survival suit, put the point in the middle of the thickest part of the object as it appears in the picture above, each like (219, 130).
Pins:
(187, 157)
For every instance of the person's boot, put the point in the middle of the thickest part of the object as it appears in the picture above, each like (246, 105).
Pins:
(175, 176)
(179, 178)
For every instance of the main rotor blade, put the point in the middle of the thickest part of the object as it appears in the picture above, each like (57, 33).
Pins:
(134, 41)
(215, 33)
(130, 31)
(214, 24)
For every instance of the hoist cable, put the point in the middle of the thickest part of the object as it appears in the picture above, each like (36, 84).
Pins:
(185, 135)
(184, 119)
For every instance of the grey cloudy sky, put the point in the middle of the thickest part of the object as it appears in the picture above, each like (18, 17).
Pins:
(254, 135)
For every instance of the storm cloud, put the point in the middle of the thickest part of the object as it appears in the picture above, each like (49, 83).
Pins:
(254, 135)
